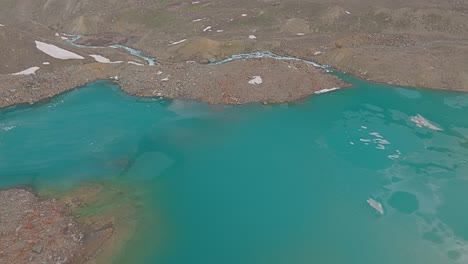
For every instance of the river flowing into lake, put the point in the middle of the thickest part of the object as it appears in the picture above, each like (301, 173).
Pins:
(253, 184)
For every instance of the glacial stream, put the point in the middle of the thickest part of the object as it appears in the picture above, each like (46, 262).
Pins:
(255, 184)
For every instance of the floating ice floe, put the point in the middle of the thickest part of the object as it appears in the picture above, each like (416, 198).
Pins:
(178, 42)
(207, 28)
(395, 156)
(103, 59)
(256, 80)
(420, 121)
(376, 205)
(46, 63)
(375, 134)
(135, 63)
(252, 37)
(57, 52)
(8, 128)
(28, 71)
(326, 90)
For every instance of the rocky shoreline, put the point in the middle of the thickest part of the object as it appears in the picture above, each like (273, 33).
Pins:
(229, 83)
(53, 228)
(35, 230)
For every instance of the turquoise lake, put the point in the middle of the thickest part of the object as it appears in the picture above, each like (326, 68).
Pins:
(254, 184)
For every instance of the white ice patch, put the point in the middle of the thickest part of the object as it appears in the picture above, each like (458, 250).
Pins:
(244, 15)
(317, 53)
(207, 28)
(165, 79)
(28, 71)
(135, 63)
(198, 20)
(57, 52)
(196, 2)
(178, 42)
(300, 34)
(2, 25)
(376, 205)
(219, 30)
(420, 121)
(63, 38)
(103, 59)
(8, 128)
(326, 90)
(252, 37)
(256, 80)
(347, 12)
(46, 63)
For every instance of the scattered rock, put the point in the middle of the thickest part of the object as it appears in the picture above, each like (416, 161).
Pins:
(37, 249)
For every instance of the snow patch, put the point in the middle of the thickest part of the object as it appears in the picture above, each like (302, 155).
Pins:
(2, 25)
(196, 2)
(57, 52)
(252, 37)
(207, 28)
(244, 15)
(178, 42)
(256, 80)
(347, 12)
(28, 71)
(197, 20)
(46, 63)
(103, 59)
(326, 90)
(135, 63)
(317, 53)
(300, 34)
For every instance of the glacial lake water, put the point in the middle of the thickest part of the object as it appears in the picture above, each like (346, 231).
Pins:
(256, 184)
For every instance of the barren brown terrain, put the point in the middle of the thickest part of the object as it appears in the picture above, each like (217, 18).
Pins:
(414, 43)
(411, 43)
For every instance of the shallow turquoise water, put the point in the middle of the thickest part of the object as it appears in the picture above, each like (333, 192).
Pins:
(262, 184)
